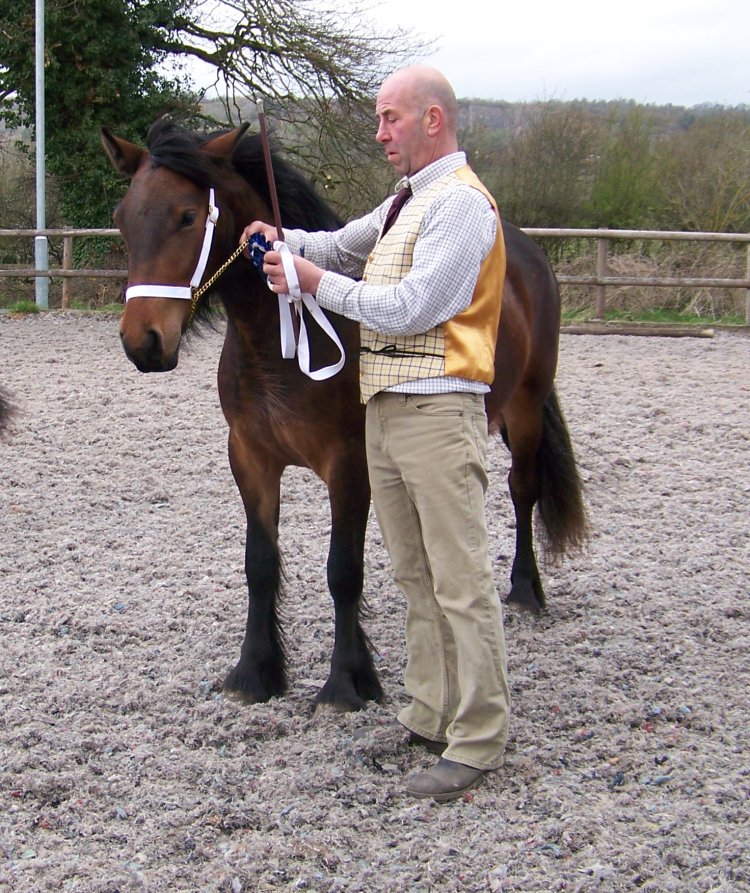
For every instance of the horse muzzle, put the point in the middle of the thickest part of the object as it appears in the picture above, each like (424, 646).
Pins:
(151, 332)
(148, 354)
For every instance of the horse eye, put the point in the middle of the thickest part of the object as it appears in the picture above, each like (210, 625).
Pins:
(188, 219)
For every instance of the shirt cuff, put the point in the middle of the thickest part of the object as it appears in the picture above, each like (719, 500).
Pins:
(334, 291)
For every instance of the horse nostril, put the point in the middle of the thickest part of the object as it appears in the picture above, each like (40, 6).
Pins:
(152, 344)
(146, 350)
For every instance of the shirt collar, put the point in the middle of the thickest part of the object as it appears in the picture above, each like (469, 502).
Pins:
(445, 165)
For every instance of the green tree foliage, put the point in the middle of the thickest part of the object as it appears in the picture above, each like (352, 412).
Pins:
(540, 172)
(100, 67)
(121, 63)
(623, 183)
(540, 175)
(617, 165)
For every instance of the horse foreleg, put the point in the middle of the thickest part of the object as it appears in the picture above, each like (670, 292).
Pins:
(260, 673)
(524, 438)
(352, 680)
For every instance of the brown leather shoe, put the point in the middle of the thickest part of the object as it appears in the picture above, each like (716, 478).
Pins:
(417, 740)
(446, 780)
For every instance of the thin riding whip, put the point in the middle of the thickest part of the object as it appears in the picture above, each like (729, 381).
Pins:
(293, 332)
(269, 169)
(274, 196)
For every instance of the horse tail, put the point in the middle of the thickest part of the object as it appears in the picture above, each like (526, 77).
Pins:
(565, 527)
(6, 411)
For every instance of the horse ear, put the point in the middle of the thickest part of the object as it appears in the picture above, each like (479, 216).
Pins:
(225, 144)
(125, 157)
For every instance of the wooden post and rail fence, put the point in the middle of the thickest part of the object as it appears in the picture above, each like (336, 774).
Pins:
(600, 280)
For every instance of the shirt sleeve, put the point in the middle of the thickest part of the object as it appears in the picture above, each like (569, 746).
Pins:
(456, 235)
(344, 251)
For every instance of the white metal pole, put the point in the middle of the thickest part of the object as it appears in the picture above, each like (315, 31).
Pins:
(41, 250)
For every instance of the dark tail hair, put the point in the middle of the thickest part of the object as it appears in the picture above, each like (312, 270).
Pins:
(565, 526)
(6, 411)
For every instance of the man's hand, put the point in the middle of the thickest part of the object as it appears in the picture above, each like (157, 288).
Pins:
(268, 232)
(308, 274)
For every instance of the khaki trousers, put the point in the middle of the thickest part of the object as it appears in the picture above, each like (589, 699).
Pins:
(426, 457)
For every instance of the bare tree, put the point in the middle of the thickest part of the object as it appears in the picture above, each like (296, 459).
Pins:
(122, 63)
(317, 68)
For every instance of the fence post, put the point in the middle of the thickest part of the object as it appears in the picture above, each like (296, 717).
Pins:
(601, 272)
(747, 293)
(67, 264)
(41, 264)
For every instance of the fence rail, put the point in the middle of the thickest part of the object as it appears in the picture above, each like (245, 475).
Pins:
(601, 281)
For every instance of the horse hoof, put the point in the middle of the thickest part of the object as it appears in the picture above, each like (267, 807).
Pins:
(250, 689)
(347, 698)
(243, 697)
(321, 709)
(338, 702)
(526, 598)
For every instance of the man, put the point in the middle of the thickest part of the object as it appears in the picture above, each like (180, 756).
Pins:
(426, 291)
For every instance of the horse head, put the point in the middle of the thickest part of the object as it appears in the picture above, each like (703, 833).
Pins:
(175, 234)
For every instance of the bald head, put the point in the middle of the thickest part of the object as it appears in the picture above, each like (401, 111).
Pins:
(417, 113)
(423, 86)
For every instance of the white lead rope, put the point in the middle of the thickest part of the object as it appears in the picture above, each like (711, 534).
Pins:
(290, 304)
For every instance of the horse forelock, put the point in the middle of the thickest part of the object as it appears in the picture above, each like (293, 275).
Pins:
(173, 147)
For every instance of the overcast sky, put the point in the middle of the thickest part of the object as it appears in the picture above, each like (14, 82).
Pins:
(683, 52)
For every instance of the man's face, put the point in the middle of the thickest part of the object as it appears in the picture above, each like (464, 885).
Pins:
(401, 129)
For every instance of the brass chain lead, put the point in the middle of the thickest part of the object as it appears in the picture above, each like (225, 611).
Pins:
(199, 292)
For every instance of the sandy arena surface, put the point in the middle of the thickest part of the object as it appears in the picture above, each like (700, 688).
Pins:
(122, 606)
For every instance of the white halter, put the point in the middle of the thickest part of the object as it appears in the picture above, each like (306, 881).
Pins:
(183, 292)
(288, 304)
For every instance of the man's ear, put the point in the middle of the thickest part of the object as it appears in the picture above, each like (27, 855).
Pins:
(434, 119)
(125, 157)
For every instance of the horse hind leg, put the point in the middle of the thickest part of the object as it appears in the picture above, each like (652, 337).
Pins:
(352, 681)
(522, 433)
(543, 474)
(6, 412)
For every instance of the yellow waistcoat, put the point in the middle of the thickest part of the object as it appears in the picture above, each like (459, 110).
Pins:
(464, 346)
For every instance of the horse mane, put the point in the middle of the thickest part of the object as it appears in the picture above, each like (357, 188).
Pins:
(175, 147)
